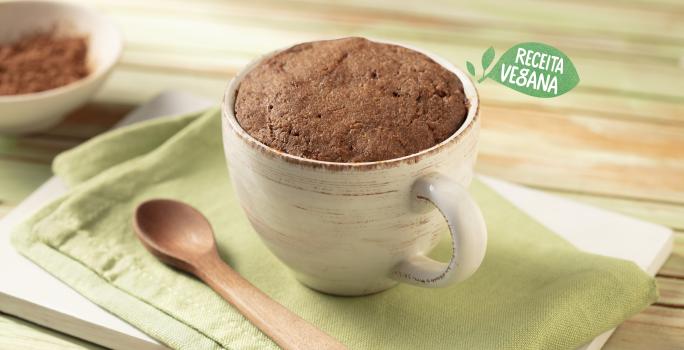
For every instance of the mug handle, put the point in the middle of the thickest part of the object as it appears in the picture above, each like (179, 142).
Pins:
(468, 235)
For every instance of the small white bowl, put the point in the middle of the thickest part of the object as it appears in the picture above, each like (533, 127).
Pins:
(41, 110)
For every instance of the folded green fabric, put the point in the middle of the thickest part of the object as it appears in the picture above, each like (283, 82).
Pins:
(533, 291)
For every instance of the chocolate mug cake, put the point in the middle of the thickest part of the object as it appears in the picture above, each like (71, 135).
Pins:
(350, 158)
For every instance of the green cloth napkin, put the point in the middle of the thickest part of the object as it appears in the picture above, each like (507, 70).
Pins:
(533, 291)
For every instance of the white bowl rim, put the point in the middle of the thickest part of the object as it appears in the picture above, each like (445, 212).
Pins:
(95, 75)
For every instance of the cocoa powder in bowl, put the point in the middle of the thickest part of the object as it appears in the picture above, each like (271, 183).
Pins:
(40, 62)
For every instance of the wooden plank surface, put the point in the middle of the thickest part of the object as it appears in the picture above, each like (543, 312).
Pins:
(657, 327)
(616, 141)
(17, 334)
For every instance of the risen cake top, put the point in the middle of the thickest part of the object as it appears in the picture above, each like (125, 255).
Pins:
(350, 100)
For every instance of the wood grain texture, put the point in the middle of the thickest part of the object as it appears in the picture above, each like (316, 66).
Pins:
(671, 291)
(17, 334)
(584, 154)
(674, 266)
(657, 327)
(617, 141)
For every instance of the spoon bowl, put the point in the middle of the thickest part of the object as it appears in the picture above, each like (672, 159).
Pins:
(174, 232)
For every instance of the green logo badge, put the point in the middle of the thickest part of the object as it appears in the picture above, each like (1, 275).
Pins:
(534, 69)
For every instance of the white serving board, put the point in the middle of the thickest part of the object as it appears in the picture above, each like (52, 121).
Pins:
(31, 293)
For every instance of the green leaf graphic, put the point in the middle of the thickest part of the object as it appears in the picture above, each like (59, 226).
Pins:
(535, 69)
(471, 68)
(487, 58)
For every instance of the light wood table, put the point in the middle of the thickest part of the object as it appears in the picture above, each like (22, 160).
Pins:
(616, 141)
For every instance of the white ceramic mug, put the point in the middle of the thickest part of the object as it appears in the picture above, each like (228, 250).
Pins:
(358, 228)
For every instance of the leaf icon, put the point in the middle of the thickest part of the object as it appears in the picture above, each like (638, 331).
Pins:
(487, 58)
(552, 77)
(471, 68)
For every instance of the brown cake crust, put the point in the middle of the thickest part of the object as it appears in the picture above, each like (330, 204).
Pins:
(350, 100)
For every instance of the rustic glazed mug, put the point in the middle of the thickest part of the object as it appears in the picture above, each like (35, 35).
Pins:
(359, 228)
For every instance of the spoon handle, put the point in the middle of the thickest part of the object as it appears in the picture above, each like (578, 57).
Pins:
(284, 327)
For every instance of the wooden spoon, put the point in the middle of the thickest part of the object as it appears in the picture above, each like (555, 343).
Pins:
(181, 236)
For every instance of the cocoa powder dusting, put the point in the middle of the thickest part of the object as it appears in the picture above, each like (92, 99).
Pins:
(41, 62)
